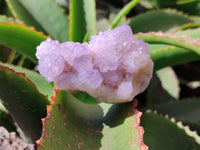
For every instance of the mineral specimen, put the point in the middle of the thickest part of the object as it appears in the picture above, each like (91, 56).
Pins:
(113, 67)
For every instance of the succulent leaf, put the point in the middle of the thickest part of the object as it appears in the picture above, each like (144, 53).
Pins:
(6, 19)
(71, 124)
(21, 39)
(22, 14)
(191, 25)
(6, 121)
(163, 133)
(156, 94)
(121, 129)
(158, 20)
(171, 56)
(23, 101)
(188, 6)
(169, 81)
(171, 39)
(43, 87)
(34, 12)
(193, 33)
(182, 110)
(82, 19)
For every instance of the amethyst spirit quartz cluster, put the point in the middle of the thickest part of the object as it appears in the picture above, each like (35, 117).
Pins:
(112, 67)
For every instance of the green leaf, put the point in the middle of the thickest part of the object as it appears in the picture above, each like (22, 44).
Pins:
(193, 33)
(23, 101)
(122, 130)
(169, 81)
(21, 14)
(185, 1)
(158, 20)
(6, 121)
(124, 12)
(82, 19)
(191, 25)
(182, 110)
(47, 13)
(21, 39)
(39, 81)
(71, 124)
(196, 19)
(193, 126)
(3, 18)
(171, 56)
(171, 39)
(155, 92)
(163, 133)
(168, 55)
(86, 98)
(146, 4)
(45, 87)
(188, 6)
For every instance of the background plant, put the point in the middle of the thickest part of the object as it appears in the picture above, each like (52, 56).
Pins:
(77, 121)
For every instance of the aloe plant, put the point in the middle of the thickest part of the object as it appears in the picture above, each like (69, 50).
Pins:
(57, 119)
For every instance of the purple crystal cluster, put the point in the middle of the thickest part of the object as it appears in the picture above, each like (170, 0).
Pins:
(112, 67)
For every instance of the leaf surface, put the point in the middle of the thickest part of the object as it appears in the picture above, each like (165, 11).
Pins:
(169, 81)
(182, 110)
(163, 133)
(6, 121)
(23, 101)
(82, 19)
(183, 41)
(42, 13)
(158, 20)
(71, 124)
(21, 39)
(39, 81)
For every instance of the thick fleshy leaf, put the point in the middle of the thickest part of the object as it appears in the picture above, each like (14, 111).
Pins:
(158, 20)
(169, 81)
(189, 6)
(66, 125)
(171, 56)
(121, 129)
(182, 110)
(86, 98)
(177, 2)
(171, 39)
(82, 19)
(3, 18)
(196, 19)
(6, 121)
(155, 92)
(163, 133)
(193, 33)
(39, 81)
(191, 25)
(71, 124)
(45, 13)
(23, 101)
(20, 13)
(21, 39)
(193, 126)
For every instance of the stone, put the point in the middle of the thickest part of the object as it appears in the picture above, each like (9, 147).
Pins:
(112, 67)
